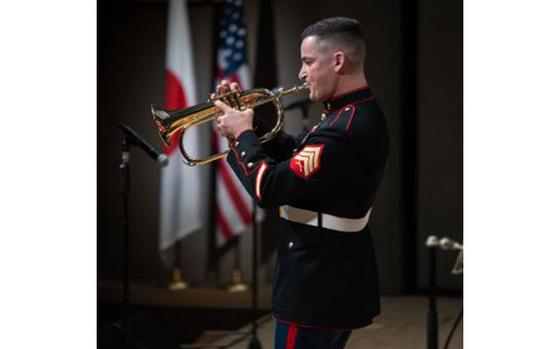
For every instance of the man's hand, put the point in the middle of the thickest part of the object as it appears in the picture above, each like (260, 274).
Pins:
(233, 122)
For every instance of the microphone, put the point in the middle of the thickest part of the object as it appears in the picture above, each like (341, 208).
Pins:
(448, 244)
(444, 243)
(135, 139)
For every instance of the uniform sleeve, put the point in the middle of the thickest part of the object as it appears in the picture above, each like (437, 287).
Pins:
(281, 146)
(273, 183)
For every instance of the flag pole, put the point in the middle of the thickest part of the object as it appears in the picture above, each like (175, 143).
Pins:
(212, 262)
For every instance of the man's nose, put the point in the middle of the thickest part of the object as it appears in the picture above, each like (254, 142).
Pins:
(302, 75)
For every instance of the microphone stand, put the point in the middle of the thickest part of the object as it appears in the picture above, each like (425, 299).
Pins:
(433, 243)
(130, 138)
(254, 343)
(432, 310)
(125, 185)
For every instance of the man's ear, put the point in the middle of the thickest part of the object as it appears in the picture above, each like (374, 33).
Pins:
(339, 61)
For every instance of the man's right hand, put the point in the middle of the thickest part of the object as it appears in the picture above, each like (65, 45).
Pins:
(232, 122)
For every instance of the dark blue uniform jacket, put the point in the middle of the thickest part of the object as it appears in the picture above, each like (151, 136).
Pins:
(324, 277)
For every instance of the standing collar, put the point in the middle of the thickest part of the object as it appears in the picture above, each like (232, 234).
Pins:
(340, 101)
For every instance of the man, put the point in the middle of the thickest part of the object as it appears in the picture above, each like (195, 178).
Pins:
(324, 183)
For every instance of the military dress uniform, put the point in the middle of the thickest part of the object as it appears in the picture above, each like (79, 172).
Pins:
(324, 183)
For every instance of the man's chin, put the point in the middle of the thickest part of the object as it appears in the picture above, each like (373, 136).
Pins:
(313, 97)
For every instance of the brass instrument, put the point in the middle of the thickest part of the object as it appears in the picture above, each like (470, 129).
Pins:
(169, 122)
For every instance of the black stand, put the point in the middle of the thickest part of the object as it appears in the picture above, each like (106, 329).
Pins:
(254, 343)
(455, 324)
(131, 138)
(432, 311)
(125, 178)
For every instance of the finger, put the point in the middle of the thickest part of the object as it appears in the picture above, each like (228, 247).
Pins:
(224, 86)
(212, 96)
(234, 86)
(220, 88)
(221, 105)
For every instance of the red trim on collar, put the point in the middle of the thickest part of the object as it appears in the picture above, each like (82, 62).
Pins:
(362, 100)
(347, 93)
(351, 104)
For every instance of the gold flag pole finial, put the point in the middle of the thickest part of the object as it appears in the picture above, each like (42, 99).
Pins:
(177, 282)
(237, 284)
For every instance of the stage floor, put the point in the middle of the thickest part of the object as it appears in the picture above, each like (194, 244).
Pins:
(401, 325)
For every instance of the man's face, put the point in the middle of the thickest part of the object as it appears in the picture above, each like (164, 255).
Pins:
(318, 69)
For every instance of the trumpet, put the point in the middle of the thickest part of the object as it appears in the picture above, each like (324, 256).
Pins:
(171, 122)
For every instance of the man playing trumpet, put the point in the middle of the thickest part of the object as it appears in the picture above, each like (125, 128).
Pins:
(324, 184)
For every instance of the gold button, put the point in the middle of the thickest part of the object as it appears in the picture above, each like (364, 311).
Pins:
(328, 106)
(237, 143)
(243, 154)
(250, 165)
(347, 109)
(290, 244)
(323, 116)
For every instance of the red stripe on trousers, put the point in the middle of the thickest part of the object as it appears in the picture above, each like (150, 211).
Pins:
(291, 340)
(223, 224)
(233, 191)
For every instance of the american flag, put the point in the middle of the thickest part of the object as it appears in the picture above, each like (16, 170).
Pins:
(234, 206)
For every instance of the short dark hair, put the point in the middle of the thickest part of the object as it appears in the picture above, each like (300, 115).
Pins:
(337, 27)
(343, 31)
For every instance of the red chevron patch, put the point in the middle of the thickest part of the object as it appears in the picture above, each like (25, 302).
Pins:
(307, 161)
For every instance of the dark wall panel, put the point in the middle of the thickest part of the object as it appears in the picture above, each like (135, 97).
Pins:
(131, 55)
(440, 132)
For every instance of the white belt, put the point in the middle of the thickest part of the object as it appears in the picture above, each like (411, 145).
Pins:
(302, 216)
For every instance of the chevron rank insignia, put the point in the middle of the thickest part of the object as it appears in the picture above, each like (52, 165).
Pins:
(307, 161)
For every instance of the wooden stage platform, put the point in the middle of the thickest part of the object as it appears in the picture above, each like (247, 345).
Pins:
(211, 317)
(402, 325)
